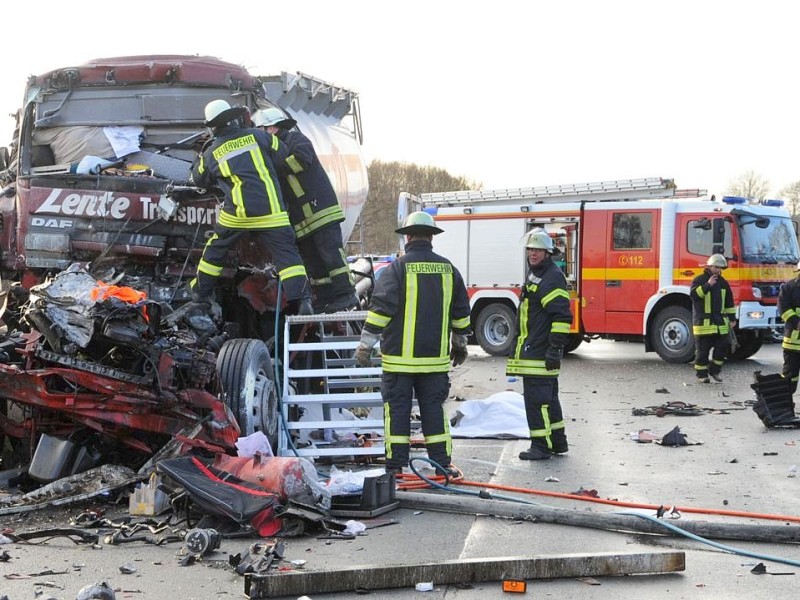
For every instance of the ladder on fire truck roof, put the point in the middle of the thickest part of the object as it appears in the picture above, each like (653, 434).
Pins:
(320, 378)
(601, 191)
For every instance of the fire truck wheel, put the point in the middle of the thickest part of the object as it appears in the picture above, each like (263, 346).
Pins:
(749, 343)
(494, 329)
(672, 334)
(248, 383)
(573, 341)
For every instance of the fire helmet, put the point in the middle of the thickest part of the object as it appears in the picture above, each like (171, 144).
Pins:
(97, 591)
(272, 116)
(542, 241)
(717, 260)
(419, 222)
(219, 112)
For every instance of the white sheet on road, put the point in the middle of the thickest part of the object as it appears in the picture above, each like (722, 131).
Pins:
(501, 416)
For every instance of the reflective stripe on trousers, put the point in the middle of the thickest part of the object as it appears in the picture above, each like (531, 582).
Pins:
(431, 391)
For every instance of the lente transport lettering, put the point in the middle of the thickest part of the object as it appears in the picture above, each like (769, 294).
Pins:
(109, 206)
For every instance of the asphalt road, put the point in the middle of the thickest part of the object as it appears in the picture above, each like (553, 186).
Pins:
(740, 465)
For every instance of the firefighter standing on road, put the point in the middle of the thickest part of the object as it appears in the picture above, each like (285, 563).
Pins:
(420, 312)
(789, 310)
(241, 161)
(712, 318)
(314, 212)
(543, 322)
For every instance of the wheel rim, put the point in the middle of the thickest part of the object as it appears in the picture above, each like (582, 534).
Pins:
(496, 330)
(260, 410)
(675, 335)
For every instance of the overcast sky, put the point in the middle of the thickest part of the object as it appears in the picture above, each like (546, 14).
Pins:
(509, 94)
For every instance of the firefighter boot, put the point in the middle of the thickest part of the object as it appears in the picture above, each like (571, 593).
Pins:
(535, 452)
(449, 471)
(559, 439)
(304, 307)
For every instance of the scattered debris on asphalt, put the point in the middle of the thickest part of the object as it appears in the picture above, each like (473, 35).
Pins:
(672, 439)
(677, 408)
(761, 569)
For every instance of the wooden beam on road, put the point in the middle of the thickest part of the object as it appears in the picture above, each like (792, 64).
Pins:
(473, 570)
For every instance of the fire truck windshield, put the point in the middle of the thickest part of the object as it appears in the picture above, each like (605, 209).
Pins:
(768, 240)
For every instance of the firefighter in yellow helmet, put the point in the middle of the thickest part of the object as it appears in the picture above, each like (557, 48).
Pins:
(543, 321)
(713, 316)
(420, 313)
(242, 162)
(789, 311)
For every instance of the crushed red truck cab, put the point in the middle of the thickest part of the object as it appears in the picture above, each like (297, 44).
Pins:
(96, 193)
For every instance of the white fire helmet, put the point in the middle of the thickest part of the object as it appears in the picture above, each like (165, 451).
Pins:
(219, 112)
(272, 116)
(717, 260)
(542, 241)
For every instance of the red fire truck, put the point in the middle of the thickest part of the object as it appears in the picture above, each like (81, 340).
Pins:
(630, 251)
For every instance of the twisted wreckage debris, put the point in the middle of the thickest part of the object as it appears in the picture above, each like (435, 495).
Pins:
(101, 365)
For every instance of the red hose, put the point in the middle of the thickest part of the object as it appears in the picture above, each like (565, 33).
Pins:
(412, 482)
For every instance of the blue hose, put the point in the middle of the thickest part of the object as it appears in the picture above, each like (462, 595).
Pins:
(723, 547)
(278, 380)
(446, 487)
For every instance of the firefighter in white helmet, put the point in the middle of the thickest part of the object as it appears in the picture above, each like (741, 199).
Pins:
(315, 213)
(543, 321)
(420, 313)
(713, 317)
(789, 311)
(242, 163)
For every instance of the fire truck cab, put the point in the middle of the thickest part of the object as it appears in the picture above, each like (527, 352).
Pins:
(630, 249)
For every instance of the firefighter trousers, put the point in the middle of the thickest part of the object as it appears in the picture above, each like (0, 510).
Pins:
(323, 254)
(431, 389)
(791, 367)
(285, 256)
(704, 344)
(543, 411)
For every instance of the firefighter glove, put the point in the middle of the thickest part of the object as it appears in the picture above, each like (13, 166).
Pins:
(552, 358)
(363, 353)
(458, 349)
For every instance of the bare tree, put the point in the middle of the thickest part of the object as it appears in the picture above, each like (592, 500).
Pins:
(386, 181)
(749, 185)
(791, 194)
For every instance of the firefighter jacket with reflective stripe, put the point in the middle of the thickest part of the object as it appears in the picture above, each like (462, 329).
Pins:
(242, 163)
(712, 306)
(307, 189)
(543, 320)
(418, 300)
(789, 311)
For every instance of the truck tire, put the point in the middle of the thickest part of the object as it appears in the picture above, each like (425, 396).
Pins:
(672, 334)
(573, 341)
(750, 342)
(494, 328)
(248, 385)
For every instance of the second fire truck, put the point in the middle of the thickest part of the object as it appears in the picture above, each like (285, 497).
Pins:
(630, 249)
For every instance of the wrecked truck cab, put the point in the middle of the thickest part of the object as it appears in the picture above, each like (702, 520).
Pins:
(103, 159)
(98, 176)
